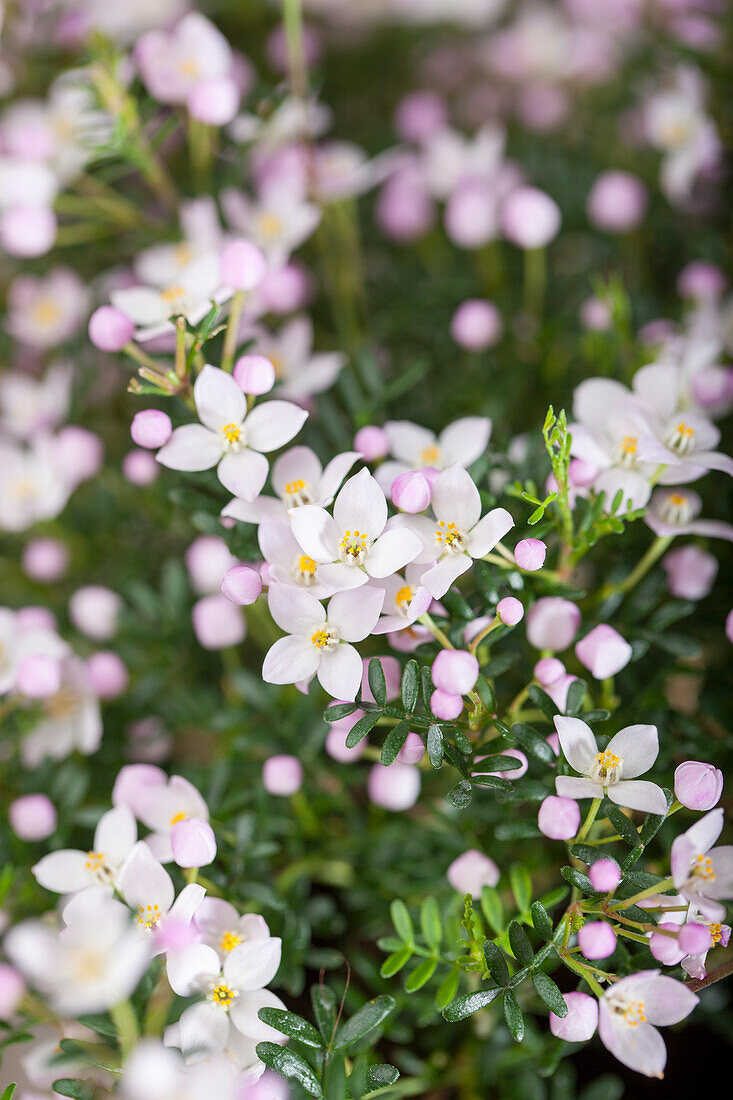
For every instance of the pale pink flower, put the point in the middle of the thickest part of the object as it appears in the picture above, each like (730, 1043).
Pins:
(404, 602)
(287, 563)
(221, 926)
(300, 371)
(298, 478)
(70, 719)
(628, 1012)
(173, 62)
(674, 512)
(68, 870)
(701, 873)
(414, 447)
(278, 221)
(152, 307)
(160, 806)
(148, 889)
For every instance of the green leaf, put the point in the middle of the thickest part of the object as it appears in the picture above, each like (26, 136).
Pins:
(492, 908)
(521, 947)
(426, 686)
(410, 685)
(653, 822)
(289, 1065)
(435, 746)
(361, 728)
(521, 886)
(78, 1090)
(486, 694)
(468, 1004)
(334, 1079)
(323, 1001)
(496, 963)
(402, 922)
(288, 1023)
(541, 920)
(447, 990)
(8, 1092)
(533, 742)
(394, 962)
(422, 974)
(380, 1076)
(499, 763)
(625, 828)
(542, 701)
(576, 695)
(338, 711)
(366, 1020)
(575, 878)
(377, 683)
(460, 795)
(607, 1087)
(101, 1024)
(430, 923)
(394, 741)
(513, 1016)
(549, 993)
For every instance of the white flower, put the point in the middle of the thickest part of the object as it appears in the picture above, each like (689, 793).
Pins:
(628, 1012)
(71, 719)
(413, 446)
(318, 644)
(69, 870)
(350, 544)
(229, 437)
(405, 601)
(160, 806)
(29, 405)
(191, 295)
(222, 927)
(156, 1072)
(46, 310)
(631, 752)
(32, 484)
(701, 873)
(300, 373)
(297, 478)
(172, 62)
(148, 889)
(286, 561)
(674, 512)
(278, 221)
(17, 642)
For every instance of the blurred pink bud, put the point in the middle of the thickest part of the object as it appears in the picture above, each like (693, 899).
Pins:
(476, 325)
(431, 475)
(242, 265)
(701, 280)
(45, 559)
(617, 202)
(691, 572)
(605, 875)
(581, 1022)
(552, 623)
(471, 871)
(32, 817)
(547, 670)
(336, 745)
(254, 374)
(215, 102)
(510, 610)
(698, 786)
(559, 818)
(603, 651)
(666, 948)
(241, 585)
(93, 610)
(729, 626)
(217, 623)
(108, 674)
(404, 210)
(132, 779)
(284, 290)
(597, 940)
(151, 428)
(282, 775)
(455, 671)
(35, 618)
(410, 492)
(595, 315)
(394, 788)
(511, 773)
(530, 218)
(413, 749)
(140, 468)
(27, 230)
(193, 843)
(110, 329)
(371, 443)
(558, 690)
(174, 935)
(695, 938)
(12, 988)
(420, 115)
(582, 474)
(446, 705)
(470, 214)
(207, 560)
(80, 453)
(530, 554)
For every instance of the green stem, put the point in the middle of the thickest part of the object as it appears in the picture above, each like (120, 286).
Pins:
(535, 280)
(141, 357)
(230, 339)
(650, 891)
(590, 818)
(476, 642)
(642, 567)
(293, 23)
(125, 1020)
(436, 631)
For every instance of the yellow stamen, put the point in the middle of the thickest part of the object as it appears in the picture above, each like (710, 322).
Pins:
(430, 455)
(180, 816)
(223, 995)
(403, 599)
(229, 941)
(306, 564)
(232, 432)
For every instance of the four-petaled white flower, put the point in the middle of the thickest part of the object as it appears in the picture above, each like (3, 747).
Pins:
(631, 752)
(405, 601)
(297, 478)
(703, 876)
(160, 806)
(222, 927)
(628, 1012)
(413, 446)
(228, 436)
(148, 889)
(69, 870)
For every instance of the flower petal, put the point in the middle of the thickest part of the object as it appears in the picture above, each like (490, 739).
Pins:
(203, 1030)
(392, 551)
(361, 506)
(63, 871)
(339, 671)
(296, 464)
(641, 1048)
(456, 499)
(295, 611)
(290, 660)
(254, 964)
(638, 747)
(339, 577)
(244, 1015)
(191, 447)
(488, 531)
(316, 531)
(666, 1001)
(441, 576)
(464, 440)
(243, 473)
(407, 441)
(577, 742)
(334, 474)
(115, 834)
(577, 787)
(639, 794)
(273, 424)
(192, 969)
(218, 399)
(353, 614)
(145, 884)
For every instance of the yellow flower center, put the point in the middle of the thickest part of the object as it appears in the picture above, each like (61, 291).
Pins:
(430, 456)
(306, 564)
(189, 66)
(223, 995)
(353, 547)
(680, 438)
(148, 916)
(180, 816)
(633, 1013)
(95, 861)
(293, 487)
(45, 311)
(403, 599)
(62, 705)
(716, 933)
(232, 432)
(702, 867)
(269, 224)
(607, 768)
(183, 254)
(229, 941)
(321, 638)
(449, 538)
(172, 294)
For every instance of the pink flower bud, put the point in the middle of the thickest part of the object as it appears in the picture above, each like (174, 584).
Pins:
(241, 585)
(32, 817)
(336, 744)
(701, 280)
(597, 940)
(410, 492)
(547, 670)
(282, 775)
(254, 374)
(596, 315)
(151, 428)
(617, 202)
(605, 875)
(242, 265)
(419, 115)
(27, 230)
(35, 618)
(394, 788)
(193, 843)
(470, 214)
(214, 101)
(691, 572)
(131, 781)
(581, 1021)
(559, 818)
(38, 676)
(446, 705)
(207, 560)
(530, 218)
(217, 623)
(431, 475)
(666, 948)
(471, 871)
(694, 938)
(476, 325)
(553, 741)
(603, 651)
(413, 749)
(371, 443)
(404, 210)
(511, 773)
(108, 674)
(45, 559)
(80, 453)
(530, 554)
(455, 671)
(93, 610)
(510, 610)
(558, 690)
(729, 626)
(140, 468)
(552, 623)
(110, 329)
(284, 290)
(582, 474)
(12, 988)
(698, 786)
